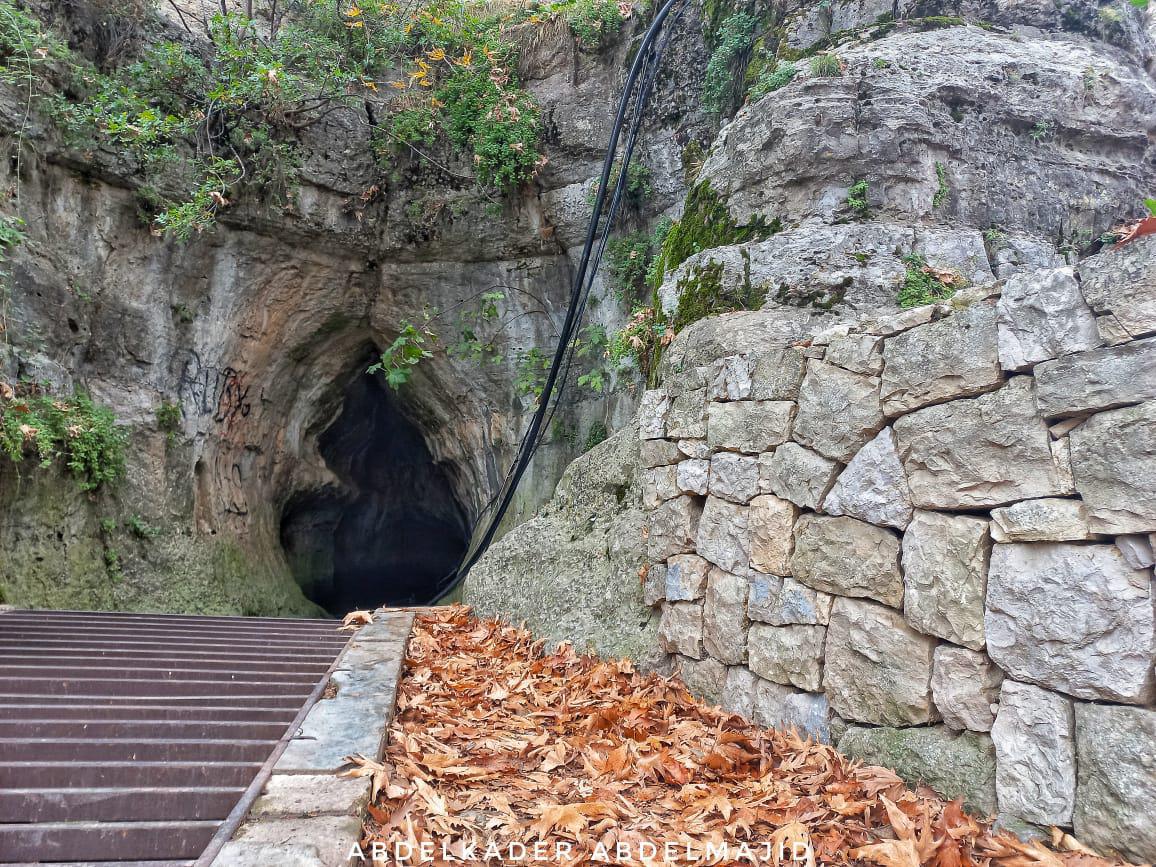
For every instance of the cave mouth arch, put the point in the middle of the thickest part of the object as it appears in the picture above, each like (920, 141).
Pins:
(392, 528)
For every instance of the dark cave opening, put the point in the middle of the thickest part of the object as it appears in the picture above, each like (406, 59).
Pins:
(393, 528)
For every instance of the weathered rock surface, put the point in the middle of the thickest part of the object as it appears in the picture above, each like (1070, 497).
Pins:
(955, 357)
(877, 669)
(722, 535)
(1098, 380)
(680, 630)
(750, 426)
(1073, 618)
(1114, 466)
(771, 523)
(784, 601)
(781, 707)
(1116, 779)
(652, 411)
(790, 655)
(986, 451)
(776, 372)
(734, 477)
(847, 557)
(954, 765)
(693, 476)
(1117, 284)
(705, 678)
(858, 353)
(738, 695)
(965, 687)
(658, 486)
(1035, 752)
(1042, 315)
(686, 576)
(672, 528)
(686, 417)
(945, 562)
(1045, 520)
(839, 411)
(873, 487)
(797, 474)
(724, 618)
(729, 378)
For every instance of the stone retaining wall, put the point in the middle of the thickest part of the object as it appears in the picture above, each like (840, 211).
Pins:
(928, 538)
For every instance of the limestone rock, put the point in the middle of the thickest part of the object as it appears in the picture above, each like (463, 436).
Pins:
(686, 576)
(1117, 284)
(722, 535)
(784, 601)
(724, 617)
(954, 765)
(1116, 779)
(1074, 618)
(945, 576)
(680, 630)
(790, 655)
(771, 523)
(658, 453)
(730, 378)
(705, 678)
(672, 528)
(858, 353)
(781, 707)
(654, 585)
(695, 449)
(777, 373)
(797, 474)
(877, 668)
(652, 411)
(658, 486)
(1042, 315)
(847, 557)
(972, 454)
(1114, 465)
(1046, 520)
(965, 687)
(1035, 754)
(1136, 550)
(686, 418)
(873, 487)
(738, 695)
(734, 477)
(693, 476)
(750, 426)
(1098, 380)
(839, 411)
(955, 357)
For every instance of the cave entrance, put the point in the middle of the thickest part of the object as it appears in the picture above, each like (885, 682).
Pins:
(392, 529)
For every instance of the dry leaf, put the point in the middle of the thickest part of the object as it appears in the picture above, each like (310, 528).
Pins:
(355, 619)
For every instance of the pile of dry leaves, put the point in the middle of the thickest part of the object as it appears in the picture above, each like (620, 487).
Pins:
(503, 753)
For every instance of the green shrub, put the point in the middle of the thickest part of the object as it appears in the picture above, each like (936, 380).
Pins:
(735, 35)
(593, 22)
(628, 260)
(826, 66)
(921, 284)
(857, 199)
(597, 434)
(942, 191)
(773, 78)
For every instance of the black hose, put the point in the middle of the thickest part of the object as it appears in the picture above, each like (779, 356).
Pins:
(641, 79)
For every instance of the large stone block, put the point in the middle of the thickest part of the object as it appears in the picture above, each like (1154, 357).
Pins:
(1074, 618)
(672, 528)
(945, 561)
(790, 655)
(658, 453)
(873, 487)
(877, 669)
(722, 535)
(1094, 381)
(784, 708)
(686, 417)
(954, 357)
(1116, 779)
(654, 584)
(965, 686)
(658, 486)
(738, 695)
(693, 476)
(1046, 520)
(777, 373)
(954, 765)
(705, 678)
(839, 411)
(724, 617)
(1114, 465)
(729, 378)
(1042, 315)
(686, 576)
(680, 630)
(750, 426)
(797, 474)
(652, 410)
(847, 557)
(858, 353)
(1035, 751)
(784, 601)
(771, 523)
(1117, 284)
(982, 452)
(734, 477)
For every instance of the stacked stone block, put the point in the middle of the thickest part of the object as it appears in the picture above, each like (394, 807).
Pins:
(929, 537)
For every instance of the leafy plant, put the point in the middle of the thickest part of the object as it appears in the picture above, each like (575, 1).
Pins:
(532, 367)
(735, 35)
(773, 77)
(140, 528)
(593, 22)
(595, 435)
(942, 191)
(857, 199)
(169, 418)
(642, 339)
(923, 284)
(628, 259)
(826, 66)
(400, 357)
(1042, 131)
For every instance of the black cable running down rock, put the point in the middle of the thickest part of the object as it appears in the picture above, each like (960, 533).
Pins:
(635, 95)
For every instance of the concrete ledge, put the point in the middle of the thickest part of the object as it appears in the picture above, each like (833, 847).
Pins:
(307, 816)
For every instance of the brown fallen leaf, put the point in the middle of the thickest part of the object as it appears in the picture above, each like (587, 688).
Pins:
(355, 619)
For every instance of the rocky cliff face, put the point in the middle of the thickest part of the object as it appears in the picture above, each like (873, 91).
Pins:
(915, 528)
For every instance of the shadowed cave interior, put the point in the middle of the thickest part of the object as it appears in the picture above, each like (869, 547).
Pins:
(392, 529)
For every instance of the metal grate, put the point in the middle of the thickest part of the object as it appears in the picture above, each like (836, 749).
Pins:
(132, 738)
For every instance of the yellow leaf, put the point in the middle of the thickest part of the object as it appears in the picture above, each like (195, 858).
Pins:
(889, 853)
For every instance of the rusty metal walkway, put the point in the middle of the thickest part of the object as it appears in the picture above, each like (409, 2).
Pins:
(133, 738)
